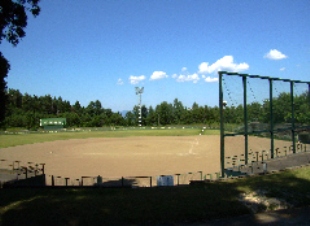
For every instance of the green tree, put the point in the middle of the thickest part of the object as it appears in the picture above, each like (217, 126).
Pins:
(197, 113)
(152, 117)
(94, 108)
(165, 111)
(46, 104)
(14, 114)
(281, 106)
(302, 108)
(136, 114)
(73, 119)
(4, 69)
(144, 114)
(129, 119)
(13, 21)
(77, 107)
(186, 117)
(254, 111)
(117, 119)
(178, 111)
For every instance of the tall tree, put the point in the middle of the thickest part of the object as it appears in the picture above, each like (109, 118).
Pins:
(178, 110)
(77, 108)
(152, 117)
(94, 108)
(129, 119)
(4, 69)
(13, 18)
(302, 108)
(13, 21)
(164, 111)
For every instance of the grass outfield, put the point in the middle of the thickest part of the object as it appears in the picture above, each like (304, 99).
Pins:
(148, 206)
(9, 140)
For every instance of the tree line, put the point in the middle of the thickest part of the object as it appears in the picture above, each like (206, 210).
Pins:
(24, 110)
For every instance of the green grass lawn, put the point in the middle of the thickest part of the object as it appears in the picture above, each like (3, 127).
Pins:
(147, 206)
(8, 140)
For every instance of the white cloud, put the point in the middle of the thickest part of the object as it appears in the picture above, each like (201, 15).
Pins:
(158, 75)
(274, 54)
(282, 69)
(120, 81)
(184, 69)
(187, 78)
(174, 76)
(226, 63)
(136, 79)
(209, 79)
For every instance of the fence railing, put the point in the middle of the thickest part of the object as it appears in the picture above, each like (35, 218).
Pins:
(13, 171)
(131, 181)
(17, 171)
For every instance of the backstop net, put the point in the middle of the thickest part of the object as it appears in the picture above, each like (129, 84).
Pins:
(261, 118)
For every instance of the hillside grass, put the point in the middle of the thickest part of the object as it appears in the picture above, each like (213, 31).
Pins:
(147, 206)
(9, 140)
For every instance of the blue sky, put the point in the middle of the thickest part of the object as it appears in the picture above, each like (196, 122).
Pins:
(89, 50)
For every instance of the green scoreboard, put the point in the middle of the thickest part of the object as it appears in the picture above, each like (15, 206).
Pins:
(53, 123)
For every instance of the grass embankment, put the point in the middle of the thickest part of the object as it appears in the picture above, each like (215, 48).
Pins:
(195, 203)
(9, 140)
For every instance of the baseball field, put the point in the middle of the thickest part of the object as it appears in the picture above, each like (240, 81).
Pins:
(146, 153)
(115, 156)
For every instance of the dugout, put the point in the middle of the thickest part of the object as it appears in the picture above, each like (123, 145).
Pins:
(53, 123)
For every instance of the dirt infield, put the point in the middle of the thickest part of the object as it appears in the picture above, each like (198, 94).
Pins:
(131, 156)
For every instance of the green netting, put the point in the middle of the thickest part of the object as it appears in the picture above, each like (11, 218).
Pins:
(261, 118)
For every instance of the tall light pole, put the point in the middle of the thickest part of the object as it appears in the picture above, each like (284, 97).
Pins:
(139, 91)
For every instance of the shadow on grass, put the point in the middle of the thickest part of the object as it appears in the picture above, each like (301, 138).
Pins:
(201, 203)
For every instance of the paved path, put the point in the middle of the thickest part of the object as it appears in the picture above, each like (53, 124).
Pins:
(297, 159)
(276, 164)
(297, 216)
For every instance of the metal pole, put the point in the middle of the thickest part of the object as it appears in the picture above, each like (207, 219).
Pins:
(293, 116)
(67, 178)
(245, 115)
(308, 93)
(140, 112)
(271, 119)
(178, 178)
(222, 146)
